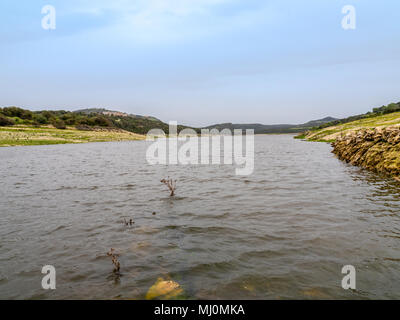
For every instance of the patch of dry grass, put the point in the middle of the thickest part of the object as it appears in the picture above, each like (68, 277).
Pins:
(331, 133)
(28, 136)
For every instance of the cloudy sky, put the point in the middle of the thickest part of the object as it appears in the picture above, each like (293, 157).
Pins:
(202, 61)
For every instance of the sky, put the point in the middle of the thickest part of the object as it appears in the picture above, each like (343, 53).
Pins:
(201, 62)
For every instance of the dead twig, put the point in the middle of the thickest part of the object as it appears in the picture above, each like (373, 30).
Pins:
(129, 223)
(171, 184)
(114, 259)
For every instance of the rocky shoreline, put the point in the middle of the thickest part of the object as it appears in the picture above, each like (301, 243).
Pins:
(374, 149)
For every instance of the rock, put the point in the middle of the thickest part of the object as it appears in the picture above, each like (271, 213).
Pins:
(374, 149)
(164, 289)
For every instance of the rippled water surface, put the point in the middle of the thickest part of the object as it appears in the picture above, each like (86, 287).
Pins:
(284, 232)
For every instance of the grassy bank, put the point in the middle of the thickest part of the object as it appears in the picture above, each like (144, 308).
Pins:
(330, 134)
(30, 136)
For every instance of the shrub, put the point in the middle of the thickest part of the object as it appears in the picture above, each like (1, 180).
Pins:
(12, 112)
(101, 121)
(47, 114)
(4, 121)
(17, 112)
(58, 123)
(38, 118)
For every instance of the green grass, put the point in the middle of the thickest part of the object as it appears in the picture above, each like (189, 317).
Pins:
(300, 136)
(9, 143)
(331, 133)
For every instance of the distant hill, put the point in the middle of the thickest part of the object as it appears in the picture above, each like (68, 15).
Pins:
(331, 133)
(258, 128)
(87, 119)
(381, 117)
(113, 113)
(376, 112)
(274, 128)
(130, 122)
(316, 123)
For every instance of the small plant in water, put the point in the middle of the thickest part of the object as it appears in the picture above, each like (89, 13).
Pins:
(171, 184)
(129, 223)
(114, 259)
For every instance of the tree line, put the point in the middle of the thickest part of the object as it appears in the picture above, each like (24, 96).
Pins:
(390, 108)
(10, 116)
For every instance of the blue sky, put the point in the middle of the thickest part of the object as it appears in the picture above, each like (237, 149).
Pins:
(202, 61)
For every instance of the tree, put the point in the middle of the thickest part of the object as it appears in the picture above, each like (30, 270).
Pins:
(58, 123)
(40, 119)
(4, 121)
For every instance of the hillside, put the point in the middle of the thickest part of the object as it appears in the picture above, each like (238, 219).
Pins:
(331, 133)
(276, 128)
(21, 127)
(86, 120)
(371, 141)
(107, 112)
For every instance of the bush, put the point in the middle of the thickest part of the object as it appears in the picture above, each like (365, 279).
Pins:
(393, 107)
(38, 118)
(100, 121)
(47, 114)
(4, 121)
(17, 112)
(59, 124)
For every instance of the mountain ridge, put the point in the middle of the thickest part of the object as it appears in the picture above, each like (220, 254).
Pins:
(272, 128)
(108, 112)
(92, 117)
(259, 128)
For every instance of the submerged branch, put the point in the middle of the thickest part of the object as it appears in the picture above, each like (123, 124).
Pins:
(171, 184)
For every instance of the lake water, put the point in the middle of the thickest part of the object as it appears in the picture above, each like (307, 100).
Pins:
(284, 232)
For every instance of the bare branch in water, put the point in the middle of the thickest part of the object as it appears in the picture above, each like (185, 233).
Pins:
(129, 223)
(171, 184)
(114, 259)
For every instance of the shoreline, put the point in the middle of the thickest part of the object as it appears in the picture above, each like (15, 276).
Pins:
(23, 136)
(377, 150)
(16, 136)
(372, 143)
